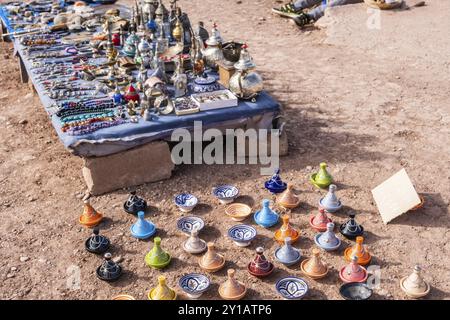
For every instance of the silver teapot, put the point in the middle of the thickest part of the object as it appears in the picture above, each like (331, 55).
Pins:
(213, 53)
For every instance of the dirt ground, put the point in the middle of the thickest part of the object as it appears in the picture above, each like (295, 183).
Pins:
(366, 101)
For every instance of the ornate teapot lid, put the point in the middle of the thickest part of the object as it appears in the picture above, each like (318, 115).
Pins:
(109, 270)
(245, 61)
(97, 243)
(215, 39)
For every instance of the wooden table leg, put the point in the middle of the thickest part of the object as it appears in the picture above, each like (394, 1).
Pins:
(23, 70)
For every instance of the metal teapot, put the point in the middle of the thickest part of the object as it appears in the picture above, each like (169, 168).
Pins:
(213, 52)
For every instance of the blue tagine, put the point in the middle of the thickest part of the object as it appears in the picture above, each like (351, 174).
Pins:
(187, 224)
(186, 202)
(330, 202)
(266, 217)
(328, 240)
(142, 229)
(194, 284)
(275, 185)
(242, 235)
(292, 288)
(287, 254)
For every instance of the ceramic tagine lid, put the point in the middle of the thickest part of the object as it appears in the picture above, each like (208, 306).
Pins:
(157, 257)
(232, 289)
(97, 243)
(275, 184)
(260, 266)
(351, 229)
(319, 221)
(266, 217)
(287, 254)
(245, 60)
(162, 291)
(134, 204)
(353, 272)
(109, 270)
(211, 261)
(288, 199)
(142, 229)
(330, 202)
(414, 285)
(359, 251)
(131, 94)
(90, 216)
(328, 240)
(322, 179)
(286, 231)
(313, 267)
(194, 244)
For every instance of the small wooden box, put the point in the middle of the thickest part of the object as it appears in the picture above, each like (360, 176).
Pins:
(226, 71)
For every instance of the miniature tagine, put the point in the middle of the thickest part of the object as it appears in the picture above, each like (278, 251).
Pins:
(260, 267)
(413, 285)
(330, 202)
(211, 260)
(321, 179)
(288, 199)
(328, 240)
(157, 258)
(162, 291)
(266, 217)
(351, 229)
(90, 216)
(97, 243)
(275, 184)
(286, 231)
(142, 229)
(194, 244)
(109, 270)
(194, 284)
(238, 211)
(319, 221)
(205, 83)
(134, 204)
(232, 289)
(287, 254)
(313, 267)
(359, 251)
(353, 272)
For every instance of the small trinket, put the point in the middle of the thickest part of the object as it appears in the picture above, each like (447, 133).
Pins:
(109, 270)
(238, 211)
(288, 199)
(328, 240)
(194, 284)
(321, 179)
(286, 231)
(260, 267)
(355, 291)
(134, 204)
(142, 229)
(330, 202)
(319, 221)
(359, 251)
(232, 289)
(123, 297)
(287, 254)
(97, 243)
(162, 291)
(211, 260)
(275, 185)
(226, 193)
(242, 235)
(292, 288)
(351, 229)
(205, 83)
(118, 96)
(186, 202)
(266, 217)
(131, 94)
(157, 258)
(187, 224)
(313, 267)
(194, 244)
(413, 285)
(353, 272)
(90, 216)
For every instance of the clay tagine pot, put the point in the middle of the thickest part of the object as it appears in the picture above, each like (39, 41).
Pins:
(90, 216)
(287, 254)
(351, 229)
(162, 291)
(275, 184)
(97, 243)
(194, 244)
(359, 251)
(142, 229)
(134, 204)
(353, 272)
(157, 258)
(322, 179)
(286, 231)
(211, 260)
(109, 270)
(288, 199)
(313, 267)
(319, 221)
(232, 289)
(260, 267)
(413, 285)
(266, 217)
(330, 202)
(328, 240)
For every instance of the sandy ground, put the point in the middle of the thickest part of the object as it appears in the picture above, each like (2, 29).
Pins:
(367, 101)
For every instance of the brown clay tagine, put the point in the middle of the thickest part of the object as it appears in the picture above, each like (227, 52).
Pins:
(232, 289)
(288, 199)
(211, 261)
(314, 267)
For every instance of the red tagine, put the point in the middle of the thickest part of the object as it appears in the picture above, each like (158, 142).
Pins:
(260, 267)
(319, 221)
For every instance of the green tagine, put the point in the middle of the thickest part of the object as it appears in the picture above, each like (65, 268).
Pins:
(322, 179)
(157, 257)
